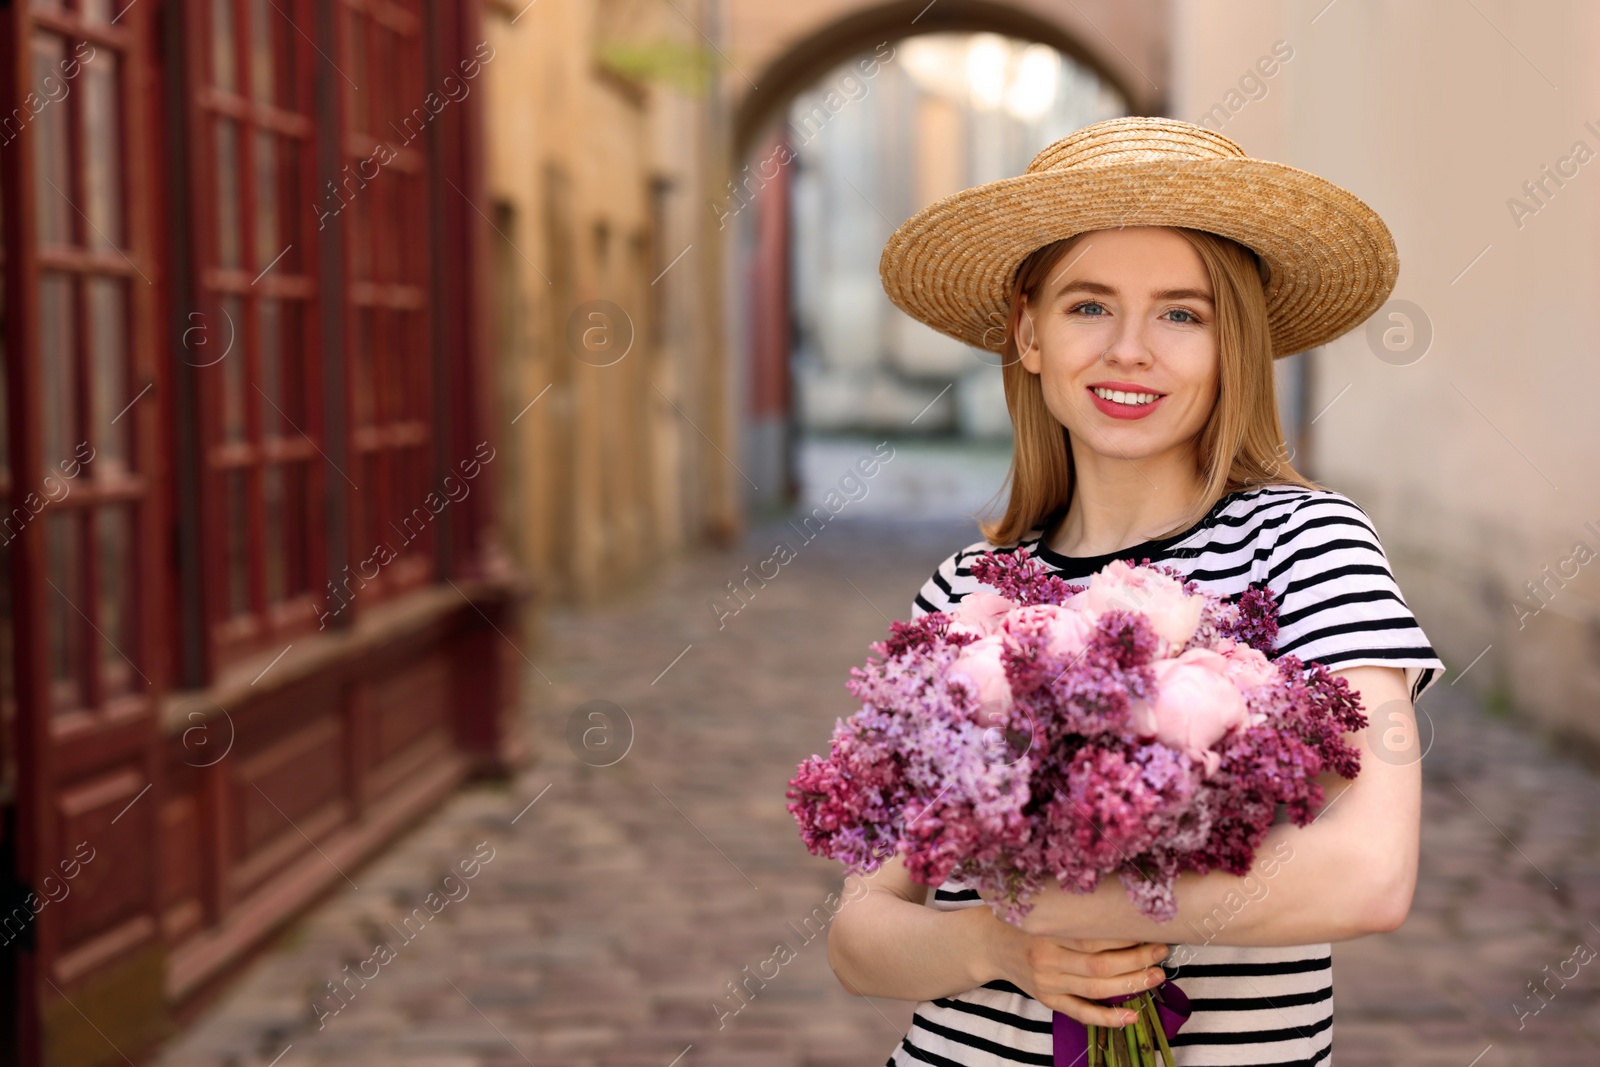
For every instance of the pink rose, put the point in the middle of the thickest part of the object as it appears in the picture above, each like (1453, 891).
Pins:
(1197, 702)
(1174, 615)
(979, 665)
(1066, 631)
(979, 614)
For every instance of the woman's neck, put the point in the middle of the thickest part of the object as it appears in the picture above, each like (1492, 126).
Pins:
(1118, 503)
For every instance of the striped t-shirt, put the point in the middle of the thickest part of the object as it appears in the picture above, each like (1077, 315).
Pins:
(1338, 605)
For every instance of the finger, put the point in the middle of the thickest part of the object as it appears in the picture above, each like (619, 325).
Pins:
(1052, 980)
(1087, 1012)
(1090, 945)
(1102, 988)
(1110, 962)
(1096, 987)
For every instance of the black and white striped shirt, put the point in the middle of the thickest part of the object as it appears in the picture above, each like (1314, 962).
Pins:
(1338, 605)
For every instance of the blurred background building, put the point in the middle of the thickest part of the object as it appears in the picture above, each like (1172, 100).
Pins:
(602, 126)
(942, 113)
(254, 600)
(935, 114)
(1456, 416)
(846, 127)
(344, 340)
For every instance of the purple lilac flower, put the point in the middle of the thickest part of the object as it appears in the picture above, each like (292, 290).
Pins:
(1058, 785)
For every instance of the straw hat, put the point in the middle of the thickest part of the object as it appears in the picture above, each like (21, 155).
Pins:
(1330, 258)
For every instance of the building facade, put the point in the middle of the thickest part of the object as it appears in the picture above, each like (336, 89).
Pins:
(875, 141)
(604, 124)
(848, 117)
(256, 616)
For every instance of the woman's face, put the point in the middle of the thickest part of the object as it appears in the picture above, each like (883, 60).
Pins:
(1123, 336)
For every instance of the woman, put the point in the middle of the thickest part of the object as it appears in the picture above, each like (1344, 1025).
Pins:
(1138, 281)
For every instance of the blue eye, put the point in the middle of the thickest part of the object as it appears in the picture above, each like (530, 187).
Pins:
(1090, 304)
(1191, 317)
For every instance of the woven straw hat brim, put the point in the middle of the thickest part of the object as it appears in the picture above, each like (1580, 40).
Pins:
(1332, 260)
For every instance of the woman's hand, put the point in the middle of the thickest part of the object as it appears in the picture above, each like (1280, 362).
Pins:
(1068, 975)
(888, 943)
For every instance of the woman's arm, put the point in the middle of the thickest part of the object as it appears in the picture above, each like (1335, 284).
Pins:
(1350, 872)
(888, 943)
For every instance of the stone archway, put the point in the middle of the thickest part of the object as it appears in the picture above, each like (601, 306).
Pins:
(774, 53)
(779, 48)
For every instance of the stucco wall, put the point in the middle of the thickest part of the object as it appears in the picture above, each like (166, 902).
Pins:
(1476, 460)
(600, 182)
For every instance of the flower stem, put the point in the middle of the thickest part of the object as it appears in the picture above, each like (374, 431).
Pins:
(1161, 1034)
(1094, 1045)
(1134, 1059)
(1147, 1022)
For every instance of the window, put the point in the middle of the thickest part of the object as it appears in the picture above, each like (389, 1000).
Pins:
(383, 186)
(255, 339)
(90, 491)
(272, 500)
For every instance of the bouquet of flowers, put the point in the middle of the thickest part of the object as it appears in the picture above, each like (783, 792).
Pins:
(1133, 726)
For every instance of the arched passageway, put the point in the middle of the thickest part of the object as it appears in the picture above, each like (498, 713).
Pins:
(850, 126)
(790, 46)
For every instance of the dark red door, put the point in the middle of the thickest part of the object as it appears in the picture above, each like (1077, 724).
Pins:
(79, 528)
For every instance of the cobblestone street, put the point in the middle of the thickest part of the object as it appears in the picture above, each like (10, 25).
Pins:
(610, 908)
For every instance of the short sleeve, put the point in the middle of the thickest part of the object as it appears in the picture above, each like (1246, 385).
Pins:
(950, 582)
(1338, 602)
(938, 592)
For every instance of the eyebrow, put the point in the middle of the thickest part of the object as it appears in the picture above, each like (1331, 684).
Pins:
(1101, 289)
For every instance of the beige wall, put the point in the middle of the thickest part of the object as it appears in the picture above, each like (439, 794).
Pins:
(614, 467)
(1477, 462)
(776, 48)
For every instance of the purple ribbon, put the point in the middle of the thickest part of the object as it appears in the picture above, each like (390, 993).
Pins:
(1072, 1039)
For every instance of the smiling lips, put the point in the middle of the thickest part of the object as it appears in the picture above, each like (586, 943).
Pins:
(1124, 400)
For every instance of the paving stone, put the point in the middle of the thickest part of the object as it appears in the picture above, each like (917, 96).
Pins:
(619, 906)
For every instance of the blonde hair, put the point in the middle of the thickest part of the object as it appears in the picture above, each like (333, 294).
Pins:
(1241, 444)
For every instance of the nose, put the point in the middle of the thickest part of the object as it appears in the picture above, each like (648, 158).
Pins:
(1128, 348)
